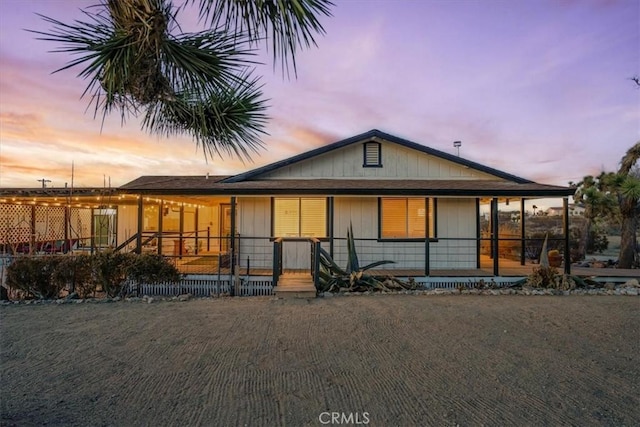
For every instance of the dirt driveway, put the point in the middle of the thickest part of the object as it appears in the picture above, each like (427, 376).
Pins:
(371, 360)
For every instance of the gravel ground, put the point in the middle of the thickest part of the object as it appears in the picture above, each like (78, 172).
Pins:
(394, 360)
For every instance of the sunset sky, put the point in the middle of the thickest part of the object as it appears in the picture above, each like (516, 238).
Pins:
(540, 89)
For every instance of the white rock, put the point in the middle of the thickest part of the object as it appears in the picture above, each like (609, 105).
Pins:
(184, 297)
(633, 283)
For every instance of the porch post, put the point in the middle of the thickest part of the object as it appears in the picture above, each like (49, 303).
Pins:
(523, 234)
(92, 241)
(160, 217)
(32, 237)
(196, 229)
(67, 222)
(478, 235)
(427, 240)
(495, 244)
(330, 226)
(232, 243)
(427, 266)
(567, 247)
(180, 238)
(114, 231)
(140, 225)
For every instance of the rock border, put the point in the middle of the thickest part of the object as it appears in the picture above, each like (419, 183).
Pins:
(631, 291)
(630, 288)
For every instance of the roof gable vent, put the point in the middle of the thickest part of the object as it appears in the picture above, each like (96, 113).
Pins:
(372, 155)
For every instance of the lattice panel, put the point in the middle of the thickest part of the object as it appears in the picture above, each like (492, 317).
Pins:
(15, 223)
(49, 223)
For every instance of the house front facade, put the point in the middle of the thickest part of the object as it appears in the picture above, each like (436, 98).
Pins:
(430, 212)
(407, 203)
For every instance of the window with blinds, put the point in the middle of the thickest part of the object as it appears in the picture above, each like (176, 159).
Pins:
(407, 218)
(372, 154)
(300, 217)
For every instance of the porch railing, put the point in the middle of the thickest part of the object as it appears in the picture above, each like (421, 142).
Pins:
(268, 257)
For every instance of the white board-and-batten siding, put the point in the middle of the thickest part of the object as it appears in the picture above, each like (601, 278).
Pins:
(455, 220)
(398, 162)
(254, 227)
(456, 226)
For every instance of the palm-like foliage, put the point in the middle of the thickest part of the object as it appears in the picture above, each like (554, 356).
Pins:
(353, 277)
(139, 62)
(289, 24)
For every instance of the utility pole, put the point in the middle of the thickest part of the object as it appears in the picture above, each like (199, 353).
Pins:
(44, 182)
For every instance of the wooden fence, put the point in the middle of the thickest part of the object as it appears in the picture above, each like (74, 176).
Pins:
(203, 286)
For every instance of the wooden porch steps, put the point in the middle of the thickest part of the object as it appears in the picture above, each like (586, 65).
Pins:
(292, 285)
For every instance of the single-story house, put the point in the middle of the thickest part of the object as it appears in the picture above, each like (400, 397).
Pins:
(406, 202)
(574, 210)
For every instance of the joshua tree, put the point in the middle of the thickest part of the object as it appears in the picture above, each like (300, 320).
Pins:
(597, 202)
(626, 188)
(138, 61)
(617, 196)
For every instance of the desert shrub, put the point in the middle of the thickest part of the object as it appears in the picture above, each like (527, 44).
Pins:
(111, 271)
(543, 277)
(548, 277)
(76, 273)
(152, 268)
(597, 242)
(45, 277)
(35, 276)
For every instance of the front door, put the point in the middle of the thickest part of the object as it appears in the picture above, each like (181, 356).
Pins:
(104, 223)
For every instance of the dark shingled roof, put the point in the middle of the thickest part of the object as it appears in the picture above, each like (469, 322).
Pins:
(202, 186)
(190, 182)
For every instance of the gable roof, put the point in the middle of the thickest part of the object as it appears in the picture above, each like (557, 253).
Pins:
(249, 183)
(373, 135)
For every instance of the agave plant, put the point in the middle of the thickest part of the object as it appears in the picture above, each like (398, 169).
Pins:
(353, 278)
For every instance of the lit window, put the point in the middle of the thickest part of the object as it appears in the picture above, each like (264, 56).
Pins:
(372, 154)
(300, 217)
(407, 218)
